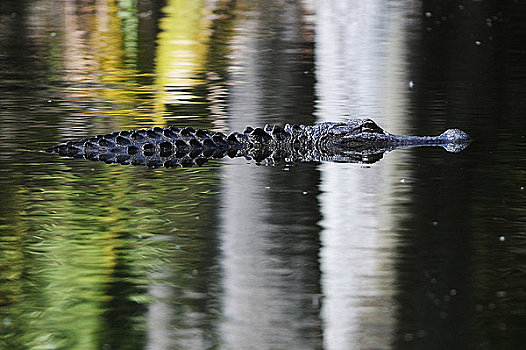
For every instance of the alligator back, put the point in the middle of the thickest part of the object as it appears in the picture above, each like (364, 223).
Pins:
(154, 147)
(173, 146)
(354, 141)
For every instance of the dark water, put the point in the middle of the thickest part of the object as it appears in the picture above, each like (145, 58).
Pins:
(424, 249)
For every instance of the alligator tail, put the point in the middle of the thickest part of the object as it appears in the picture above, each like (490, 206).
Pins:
(169, 147)
(173, 146)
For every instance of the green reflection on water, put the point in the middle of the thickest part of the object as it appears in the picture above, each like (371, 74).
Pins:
(84, 246)
(130, 26)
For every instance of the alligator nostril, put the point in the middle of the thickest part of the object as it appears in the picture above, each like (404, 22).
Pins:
(455, 135)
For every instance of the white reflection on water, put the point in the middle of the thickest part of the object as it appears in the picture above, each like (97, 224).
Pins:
(159, 317)
(266, 300)
(360, 56)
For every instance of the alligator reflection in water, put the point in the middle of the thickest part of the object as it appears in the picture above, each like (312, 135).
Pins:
(354, 141)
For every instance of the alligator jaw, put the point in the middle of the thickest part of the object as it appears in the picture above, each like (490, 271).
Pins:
(452, 140)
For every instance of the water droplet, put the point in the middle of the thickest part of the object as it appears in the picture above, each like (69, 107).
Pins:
(477, 42)
(304, 192)
(411, 84)
(6, 321)
(434, 223)
(522, 188)
(501, 294)
(286, 169)
(49, 101)
(428, 14)
(502, 238)
(53, 34)
(453, 292)
(402, 181)
(267, 187)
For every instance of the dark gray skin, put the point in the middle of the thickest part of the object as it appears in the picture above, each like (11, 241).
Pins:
(354, 141)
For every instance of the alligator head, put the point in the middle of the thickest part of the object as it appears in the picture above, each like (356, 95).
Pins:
(366, 137)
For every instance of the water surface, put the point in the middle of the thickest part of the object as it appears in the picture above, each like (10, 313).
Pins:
(423, 249)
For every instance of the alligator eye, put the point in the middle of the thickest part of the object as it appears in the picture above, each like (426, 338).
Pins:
(372, 127)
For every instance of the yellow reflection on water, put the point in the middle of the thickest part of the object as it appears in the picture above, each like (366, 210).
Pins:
(101, 61)
(181, 52)
(100, 54)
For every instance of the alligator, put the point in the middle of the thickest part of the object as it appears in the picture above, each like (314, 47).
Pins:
(354, 141)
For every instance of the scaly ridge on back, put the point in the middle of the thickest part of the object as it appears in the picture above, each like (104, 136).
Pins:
(358, 140)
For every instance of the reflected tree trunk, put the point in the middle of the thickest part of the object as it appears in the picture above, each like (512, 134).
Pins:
(269, 235)
(360, 49)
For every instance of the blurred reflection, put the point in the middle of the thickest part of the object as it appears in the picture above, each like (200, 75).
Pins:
(359, 56)
(269, 236)
(95, 249)
(105, 71)
(91, 251)
(101, 63)
(181, 52)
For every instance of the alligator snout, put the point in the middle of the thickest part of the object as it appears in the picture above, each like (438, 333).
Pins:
(455, 136)
(454, 140)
